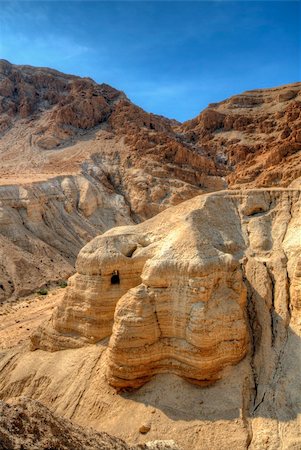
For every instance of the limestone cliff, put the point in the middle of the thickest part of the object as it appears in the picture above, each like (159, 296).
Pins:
(77, 158)
(172, 291)
(208, 290)
(44, 225)
(255, 135)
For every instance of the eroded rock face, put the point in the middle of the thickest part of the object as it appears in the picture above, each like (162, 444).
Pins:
(171, 293)
(255, 135)
(77, 158)
(44, 225)
(207, 290)
(55, 125)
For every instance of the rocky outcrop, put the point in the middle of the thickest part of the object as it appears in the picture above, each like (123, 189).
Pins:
(56, 127)
(73, 103)
(208, 290)
(171, 293)
(77, 158)
(44, 225)
(43, 110)
(27, 425)
(255, 136)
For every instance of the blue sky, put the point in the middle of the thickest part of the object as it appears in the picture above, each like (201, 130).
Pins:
(171, 58)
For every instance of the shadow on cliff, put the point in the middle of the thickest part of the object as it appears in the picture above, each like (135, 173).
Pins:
(266, 383)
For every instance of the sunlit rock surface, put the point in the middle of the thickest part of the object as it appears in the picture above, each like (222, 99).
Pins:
(171, 293)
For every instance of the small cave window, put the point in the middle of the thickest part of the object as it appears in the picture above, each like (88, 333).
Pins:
(115, 277)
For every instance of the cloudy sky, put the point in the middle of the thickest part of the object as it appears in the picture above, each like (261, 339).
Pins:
(170, 57)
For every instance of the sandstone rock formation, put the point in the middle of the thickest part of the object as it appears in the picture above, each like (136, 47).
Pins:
(208, 290)
(44, 225)
(63, 112)
(77, 158)
(171, 292)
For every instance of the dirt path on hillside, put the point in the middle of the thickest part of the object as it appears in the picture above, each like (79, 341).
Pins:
(20, 318)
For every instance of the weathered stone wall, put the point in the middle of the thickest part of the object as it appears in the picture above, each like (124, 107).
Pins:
(171, 293)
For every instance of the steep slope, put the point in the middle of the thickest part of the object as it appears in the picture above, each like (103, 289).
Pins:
(44, 225)
(43, 110)
(256, 135)
(77, 158)
(28, 425)
(208, 290)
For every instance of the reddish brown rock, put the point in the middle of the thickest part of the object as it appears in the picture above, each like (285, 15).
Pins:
(257, 132)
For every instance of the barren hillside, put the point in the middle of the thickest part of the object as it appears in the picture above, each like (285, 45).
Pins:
(175, 287)
(78, 158)
(256, 135)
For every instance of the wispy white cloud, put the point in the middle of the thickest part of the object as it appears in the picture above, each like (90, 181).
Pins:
(45, 50)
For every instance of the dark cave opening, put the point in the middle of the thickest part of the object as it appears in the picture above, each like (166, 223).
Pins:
(115, 279)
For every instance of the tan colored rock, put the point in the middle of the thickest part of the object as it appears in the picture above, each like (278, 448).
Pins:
(162, 445)
(175, 321)
(180, 299)
(145, 428)
(208, 290)
(44, 225)
(68, 141)
(179, 304)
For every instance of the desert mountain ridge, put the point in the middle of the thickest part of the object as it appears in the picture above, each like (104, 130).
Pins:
(257, 128)
(78, 158)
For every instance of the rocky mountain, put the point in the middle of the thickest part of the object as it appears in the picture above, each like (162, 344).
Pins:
(256, 135)
(78, 158)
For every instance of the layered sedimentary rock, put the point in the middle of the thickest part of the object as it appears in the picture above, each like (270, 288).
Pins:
(44, 225)
(171, 292)
(207, 290)
(77, 158)
(55, 126)
(57, 122)
(255, 135)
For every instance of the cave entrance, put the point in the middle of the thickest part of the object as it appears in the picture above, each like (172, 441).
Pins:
(115, 277)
